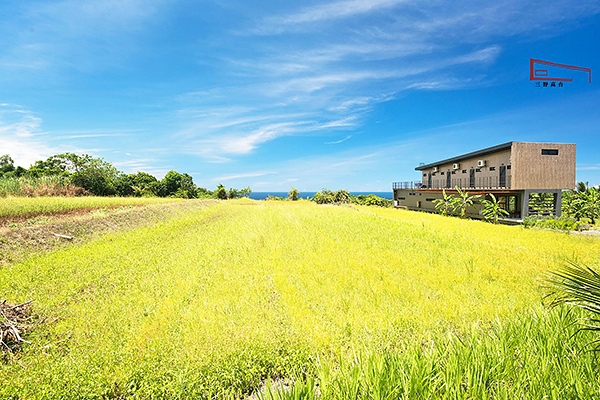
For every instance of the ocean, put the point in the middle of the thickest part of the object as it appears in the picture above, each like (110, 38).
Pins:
(264, 195)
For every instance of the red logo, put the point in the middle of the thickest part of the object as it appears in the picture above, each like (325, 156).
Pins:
(548, 71)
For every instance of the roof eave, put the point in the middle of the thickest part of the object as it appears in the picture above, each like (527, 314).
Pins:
(473, 154)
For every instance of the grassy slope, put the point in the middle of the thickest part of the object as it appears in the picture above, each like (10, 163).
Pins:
(30, 238)
(27, 207)
(229, 294)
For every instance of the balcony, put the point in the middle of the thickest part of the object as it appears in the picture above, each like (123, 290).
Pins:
(407, 185)
(485, 182)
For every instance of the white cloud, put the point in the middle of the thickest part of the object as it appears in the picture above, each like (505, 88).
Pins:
(20, 133)
(340, 141)
(244, 175)
(324, 12)
(67, 35)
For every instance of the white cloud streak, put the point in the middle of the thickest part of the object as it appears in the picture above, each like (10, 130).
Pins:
(340, 141)
(325, 12)
(244, 175)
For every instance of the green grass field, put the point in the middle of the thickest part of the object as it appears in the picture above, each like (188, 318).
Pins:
(27, 207)
(209, 304)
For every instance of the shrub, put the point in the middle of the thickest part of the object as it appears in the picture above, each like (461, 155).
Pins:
(341, 196)
(324, 197)
(293, 194)
(564, 223)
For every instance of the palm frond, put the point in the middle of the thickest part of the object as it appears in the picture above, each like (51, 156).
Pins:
(577, 286)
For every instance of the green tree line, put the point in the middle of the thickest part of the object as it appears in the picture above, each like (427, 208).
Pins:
(100, 178)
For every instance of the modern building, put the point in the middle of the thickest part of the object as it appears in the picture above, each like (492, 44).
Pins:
(526, 178)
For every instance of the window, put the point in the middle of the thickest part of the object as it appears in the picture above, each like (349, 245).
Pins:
(464, 171)
(442, 173)
(429, 199)
(492, 168)
(508, 167)
(477, 170)
(411, 194)
(401, 198)
(453, 172)
(549, 152)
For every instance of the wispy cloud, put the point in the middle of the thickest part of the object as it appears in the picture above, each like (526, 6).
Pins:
(21, 135)
(340, 141)
(85, 35)
(588, 167)
(324, 12)
(244, 175)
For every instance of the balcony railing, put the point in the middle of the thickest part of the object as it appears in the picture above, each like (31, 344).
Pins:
(407, 185)
(484, 182)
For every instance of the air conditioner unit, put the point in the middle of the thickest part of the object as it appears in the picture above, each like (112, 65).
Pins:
(456, 166)
(435, 169)
(481, 163)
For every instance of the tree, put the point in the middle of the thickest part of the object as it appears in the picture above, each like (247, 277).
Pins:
(245, 192)
(582, 186)
(158, 189)
(125, 186)
(447, 204)
(204, 193)
(93, 174)
(293, 194)
(588, 204)
(465, 201)
(6, 164)
(492, 210)
(233, 193)
(221, 192)
(179, 185)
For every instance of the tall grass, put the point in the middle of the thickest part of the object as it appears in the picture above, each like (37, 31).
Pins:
(41, 186)
(533, 356)
(209, 304)
(27, 207)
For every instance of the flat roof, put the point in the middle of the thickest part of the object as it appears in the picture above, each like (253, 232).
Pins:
(473, 154)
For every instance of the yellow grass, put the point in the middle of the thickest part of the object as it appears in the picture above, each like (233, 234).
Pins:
(25, 207)
(244, 289)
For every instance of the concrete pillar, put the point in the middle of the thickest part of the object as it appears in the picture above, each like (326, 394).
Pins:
(525, 204)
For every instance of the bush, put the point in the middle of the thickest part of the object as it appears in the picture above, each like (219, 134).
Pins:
(343, 197)
(293, 194)
(563, 223)
(323, 197)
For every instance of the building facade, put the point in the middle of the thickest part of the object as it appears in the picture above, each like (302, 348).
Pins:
(526, 178)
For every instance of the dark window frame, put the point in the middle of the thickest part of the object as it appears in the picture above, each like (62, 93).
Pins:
(549, 152)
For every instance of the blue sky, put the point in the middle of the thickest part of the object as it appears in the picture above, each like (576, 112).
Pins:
(269, 94)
